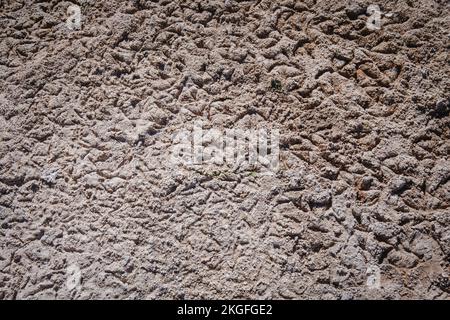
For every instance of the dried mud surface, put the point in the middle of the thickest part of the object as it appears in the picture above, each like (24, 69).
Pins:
(87, 117)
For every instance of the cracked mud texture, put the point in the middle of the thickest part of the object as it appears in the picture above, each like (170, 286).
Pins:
(87, 117)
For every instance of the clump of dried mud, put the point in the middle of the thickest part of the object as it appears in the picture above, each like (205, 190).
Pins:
(87, 116)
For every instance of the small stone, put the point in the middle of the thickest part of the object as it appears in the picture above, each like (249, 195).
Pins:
(366, 183)
(320, 199)
(354, 11)
(384, 231)
(402, 259)
(330, 173)
(398, 185)
(442, 108)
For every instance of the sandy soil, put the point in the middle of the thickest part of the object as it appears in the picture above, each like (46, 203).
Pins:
(90, 207)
